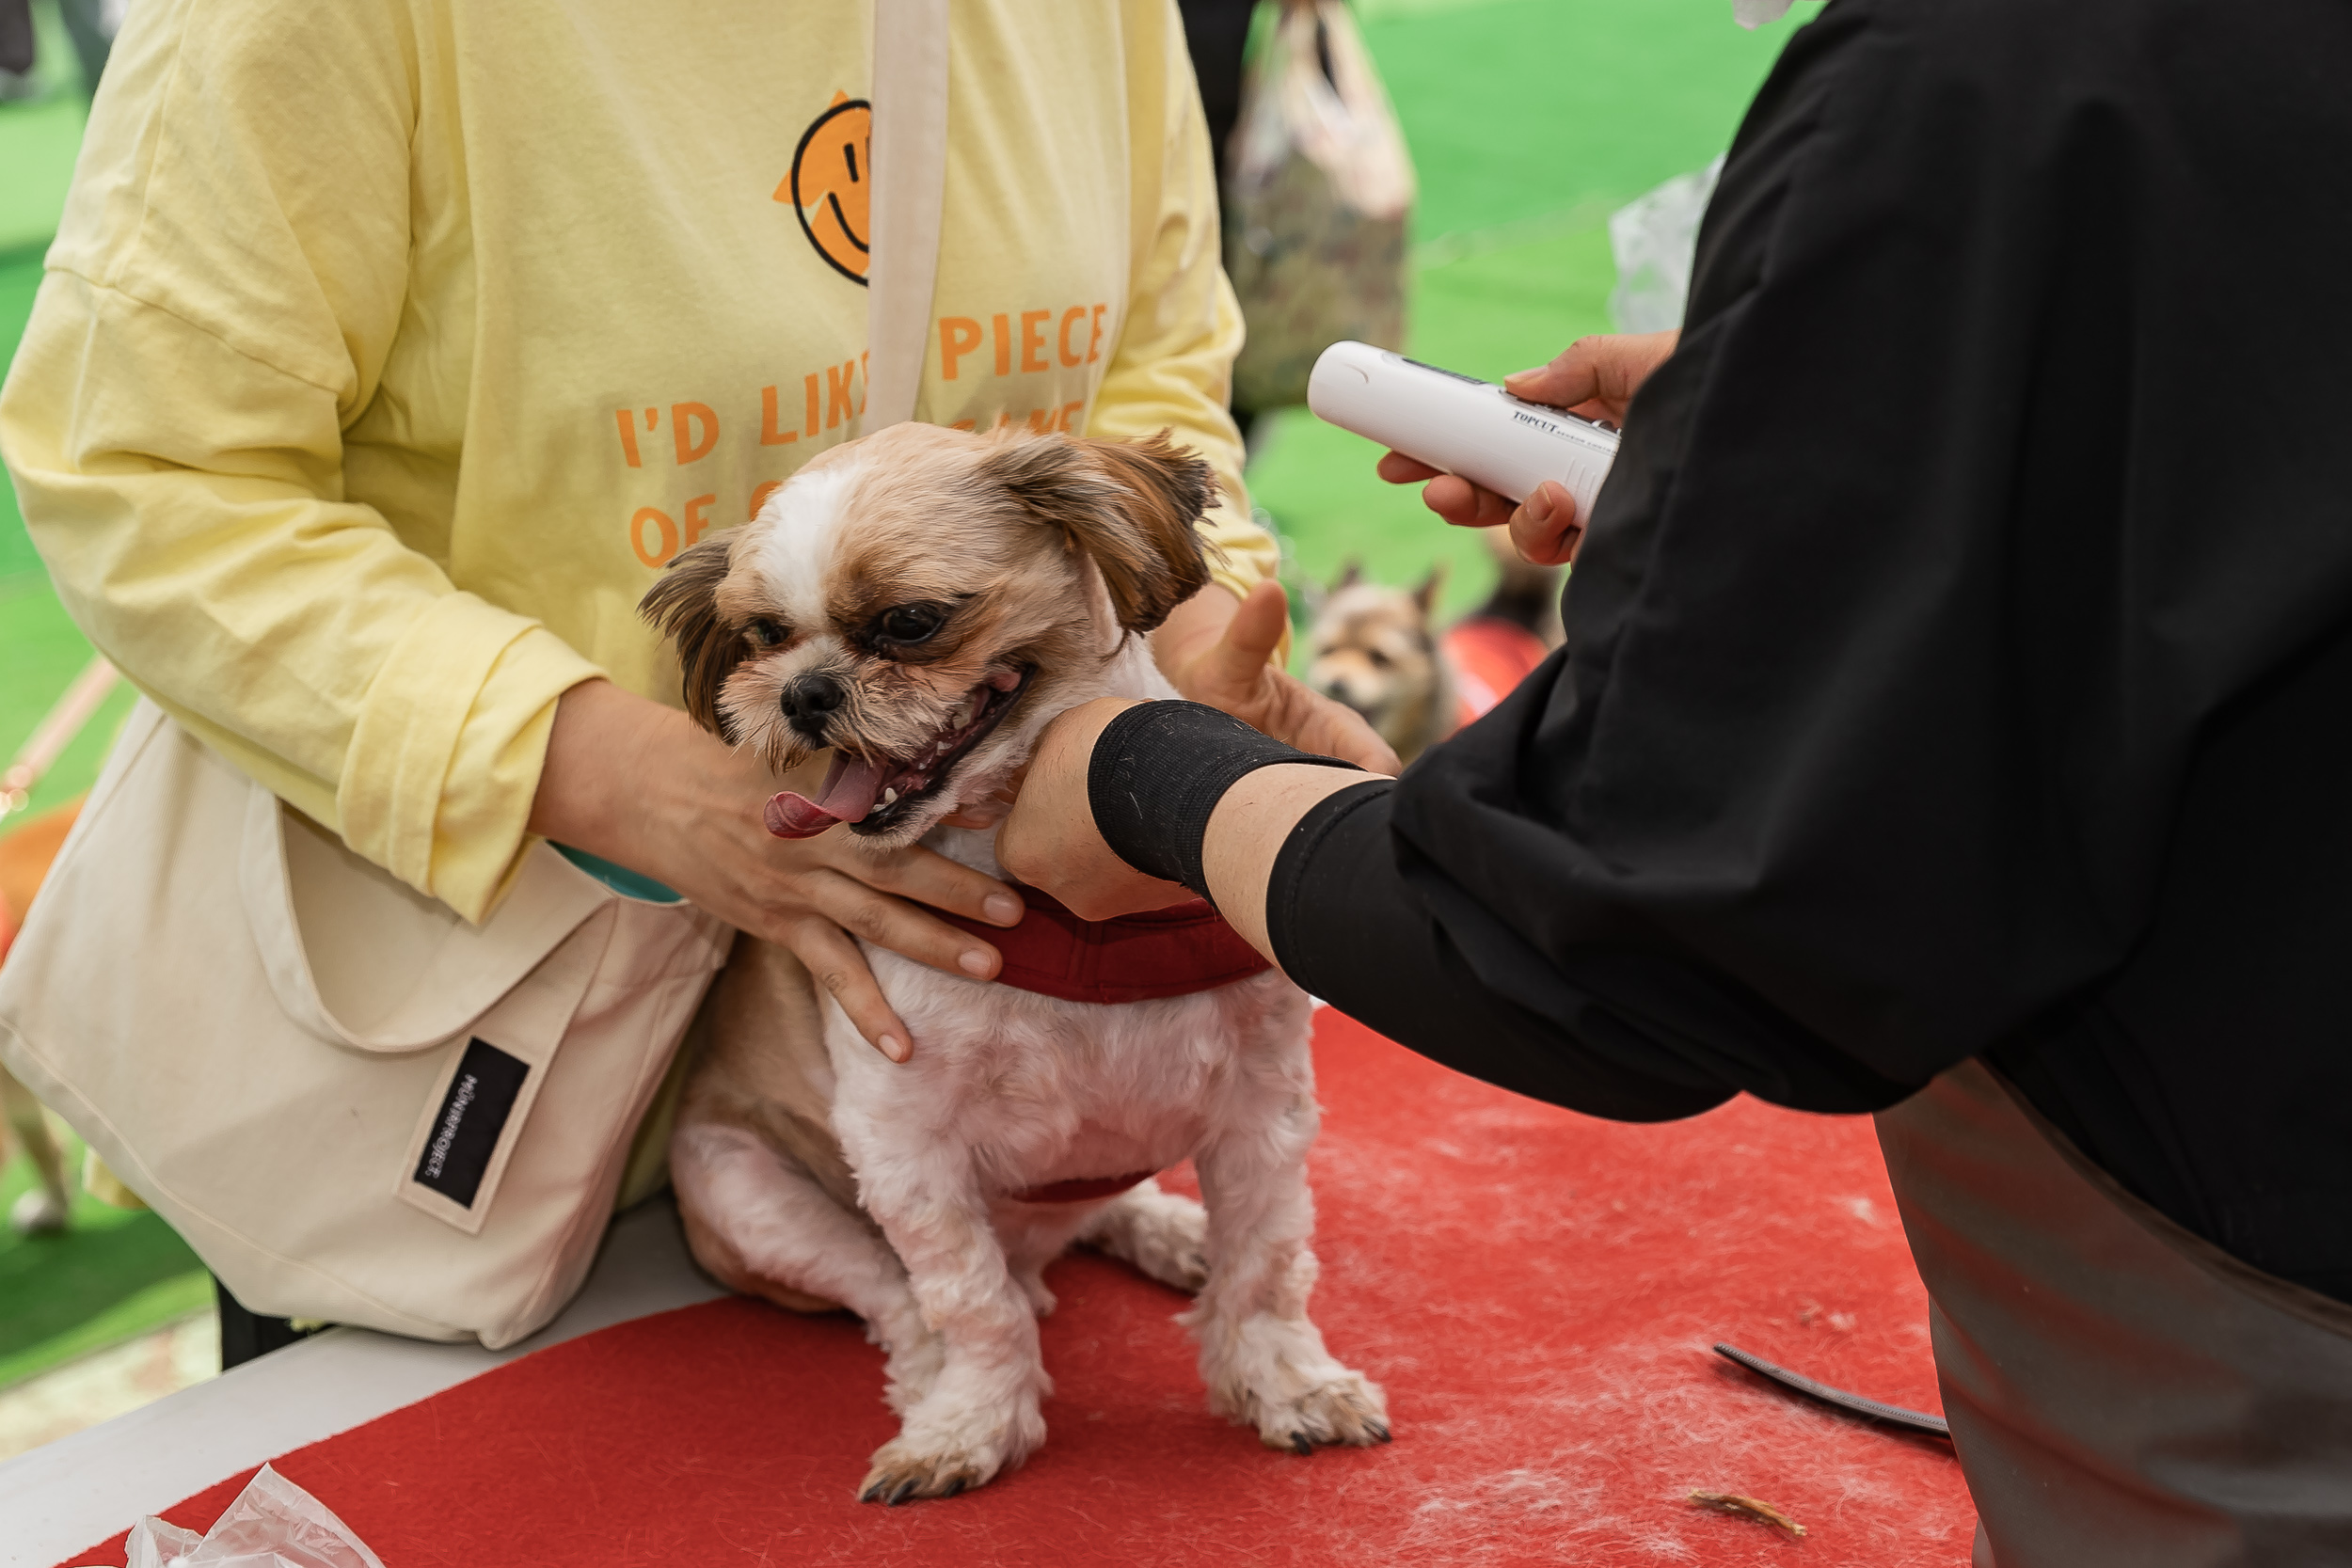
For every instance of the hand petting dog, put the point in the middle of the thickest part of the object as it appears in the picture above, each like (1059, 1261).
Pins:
(641, 785)
(1220, 653)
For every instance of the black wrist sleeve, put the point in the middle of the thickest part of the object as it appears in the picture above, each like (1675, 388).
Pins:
(1157, 772)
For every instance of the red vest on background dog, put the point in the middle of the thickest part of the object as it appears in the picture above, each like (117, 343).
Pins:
(1489, 655)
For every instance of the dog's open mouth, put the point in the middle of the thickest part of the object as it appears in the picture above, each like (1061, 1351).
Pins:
(874, 794)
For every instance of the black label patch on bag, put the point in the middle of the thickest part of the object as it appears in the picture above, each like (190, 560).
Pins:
(466, 1132)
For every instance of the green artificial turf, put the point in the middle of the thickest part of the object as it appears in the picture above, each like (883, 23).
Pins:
(1521, 109)
(1530, 121)
(39, 136)
(20, 276)
(114, 1273)
(40, 650)
(38, 140)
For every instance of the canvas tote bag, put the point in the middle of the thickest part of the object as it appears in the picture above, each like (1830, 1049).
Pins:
(352, 1104)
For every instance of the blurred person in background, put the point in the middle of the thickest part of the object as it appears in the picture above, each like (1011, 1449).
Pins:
(1950, 727)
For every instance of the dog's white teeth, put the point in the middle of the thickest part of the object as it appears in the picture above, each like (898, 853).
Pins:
(890, 797)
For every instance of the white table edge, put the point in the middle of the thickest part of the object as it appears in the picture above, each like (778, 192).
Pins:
(60, 1499)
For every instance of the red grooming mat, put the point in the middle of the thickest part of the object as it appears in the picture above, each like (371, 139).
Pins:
(1536, 1290)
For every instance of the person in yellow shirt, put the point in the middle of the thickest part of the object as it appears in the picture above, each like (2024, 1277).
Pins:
(389, 349)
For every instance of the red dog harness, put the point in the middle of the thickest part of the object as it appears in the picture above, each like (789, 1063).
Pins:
(1135, 957)
(1086, 1189)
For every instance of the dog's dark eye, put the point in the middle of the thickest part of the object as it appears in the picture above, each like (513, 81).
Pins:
(911, 623)
(765, 633)
(1380, 659)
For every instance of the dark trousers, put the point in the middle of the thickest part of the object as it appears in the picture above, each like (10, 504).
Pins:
(246, 1333)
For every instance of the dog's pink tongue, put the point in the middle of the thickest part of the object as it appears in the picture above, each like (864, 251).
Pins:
(847, 795)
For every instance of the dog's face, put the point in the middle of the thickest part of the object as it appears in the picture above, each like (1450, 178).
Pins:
(923, 602)
(1373, 650)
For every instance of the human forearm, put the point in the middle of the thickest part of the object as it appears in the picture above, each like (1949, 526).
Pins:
(1170, 365)
(1126, 800)
(1246, 832)
(602, 734)
(1297, 859)
(185, 499)
(1345, 923)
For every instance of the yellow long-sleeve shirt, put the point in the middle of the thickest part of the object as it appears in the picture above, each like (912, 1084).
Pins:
(389, 348)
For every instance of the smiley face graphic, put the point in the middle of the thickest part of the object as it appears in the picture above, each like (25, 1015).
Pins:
(830, 180)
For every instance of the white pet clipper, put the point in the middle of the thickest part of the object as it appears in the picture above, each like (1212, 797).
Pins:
(1460, 424)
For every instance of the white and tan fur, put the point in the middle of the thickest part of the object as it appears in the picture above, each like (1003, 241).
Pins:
(810, 1169)
(1371, 647)
(1376, 649)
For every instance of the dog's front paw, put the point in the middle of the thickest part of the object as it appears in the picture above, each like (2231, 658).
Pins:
(1349, 1410)
(1272, 1373)
(939, 1457)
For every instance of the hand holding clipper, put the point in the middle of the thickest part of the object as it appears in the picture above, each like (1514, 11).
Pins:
(1460, 425)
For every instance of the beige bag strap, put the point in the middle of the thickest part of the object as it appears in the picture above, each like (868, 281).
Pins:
(910, 153)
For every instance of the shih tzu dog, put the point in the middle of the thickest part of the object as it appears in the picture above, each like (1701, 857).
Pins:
(918, 605)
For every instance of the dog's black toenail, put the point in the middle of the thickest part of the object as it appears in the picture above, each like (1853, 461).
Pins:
(954, 1487)
(872, 1494)
(1381, 1434)
(899, 1494)
(1299, 1444)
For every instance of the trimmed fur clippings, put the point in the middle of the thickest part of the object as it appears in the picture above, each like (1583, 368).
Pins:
(921, 603)
(1749, 1508)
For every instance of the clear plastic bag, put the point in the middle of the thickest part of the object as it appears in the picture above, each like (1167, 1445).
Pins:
(273, 1524)
(1318, 196)
(1654, 238)
(1753, 14)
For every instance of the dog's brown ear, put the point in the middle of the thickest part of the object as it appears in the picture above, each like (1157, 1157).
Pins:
(1350, 574)
(1425, 596)
(1129, 505)
(685, 604)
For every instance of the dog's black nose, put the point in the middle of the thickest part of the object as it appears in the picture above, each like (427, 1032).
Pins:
(809, 700)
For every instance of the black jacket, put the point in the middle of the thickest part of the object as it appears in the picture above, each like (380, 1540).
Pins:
(1960, 658)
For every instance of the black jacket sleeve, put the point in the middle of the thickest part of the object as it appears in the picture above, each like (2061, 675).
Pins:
(1921, 633)
(1633, 1034)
